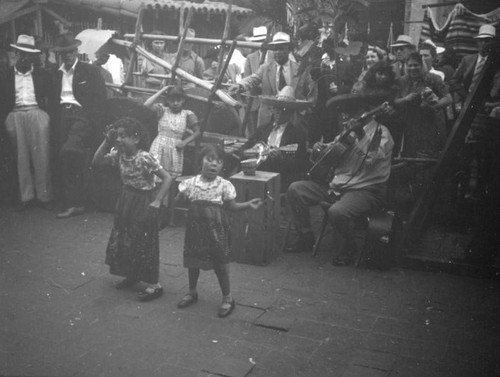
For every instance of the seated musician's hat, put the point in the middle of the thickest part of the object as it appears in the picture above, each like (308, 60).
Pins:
(354, 103)
(25, 43)
(286, 99)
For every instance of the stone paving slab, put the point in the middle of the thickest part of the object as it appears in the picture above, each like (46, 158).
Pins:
(333, 321)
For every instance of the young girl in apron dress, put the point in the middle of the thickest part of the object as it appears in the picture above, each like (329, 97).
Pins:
(206, 244)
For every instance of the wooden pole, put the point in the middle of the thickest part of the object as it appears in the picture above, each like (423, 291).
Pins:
(137, 38)
(226, 98)
(221, 73)
(210, 41)
(180, 46)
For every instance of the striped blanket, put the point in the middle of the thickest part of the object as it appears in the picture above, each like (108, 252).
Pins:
(459, 30)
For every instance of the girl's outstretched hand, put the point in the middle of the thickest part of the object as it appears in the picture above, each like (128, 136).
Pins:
(255, 203)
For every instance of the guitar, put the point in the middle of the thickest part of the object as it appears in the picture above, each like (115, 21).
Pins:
(325, 159)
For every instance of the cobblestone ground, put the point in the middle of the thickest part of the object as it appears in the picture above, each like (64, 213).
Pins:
(299, 316)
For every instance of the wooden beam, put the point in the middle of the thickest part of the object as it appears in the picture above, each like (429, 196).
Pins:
(38, 21)
(209, 41)
(18, 14)
(59, 18)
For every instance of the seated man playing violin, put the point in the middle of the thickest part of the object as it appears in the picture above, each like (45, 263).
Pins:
(360, 159)
(281, 144)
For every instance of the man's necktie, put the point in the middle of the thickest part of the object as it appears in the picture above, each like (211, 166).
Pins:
(282, 81)
(477, 72)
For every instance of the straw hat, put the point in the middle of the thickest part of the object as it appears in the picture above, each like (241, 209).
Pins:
(354, 103)
(280, 39)
(259, 34)
(428, 42)
(402, 41)
(66, 42)
(486, 31)
(25, 43)
(286, 99)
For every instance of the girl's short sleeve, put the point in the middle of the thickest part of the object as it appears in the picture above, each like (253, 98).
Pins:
(191, 119)
(159, 109)
(186, 185)
(228, 191)
(151, 163)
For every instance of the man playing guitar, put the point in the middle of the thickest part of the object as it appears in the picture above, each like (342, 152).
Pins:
(359, 182)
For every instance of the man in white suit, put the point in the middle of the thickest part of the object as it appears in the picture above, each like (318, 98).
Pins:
(277, 74)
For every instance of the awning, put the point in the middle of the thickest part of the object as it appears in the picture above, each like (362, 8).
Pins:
(8, 8)
(130, 8)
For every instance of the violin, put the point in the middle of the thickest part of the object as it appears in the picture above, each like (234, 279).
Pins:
(326, 159)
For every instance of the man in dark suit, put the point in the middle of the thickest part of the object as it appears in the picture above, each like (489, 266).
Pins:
(286, 140)
(273, 76)
(80, 89)
(25, 95)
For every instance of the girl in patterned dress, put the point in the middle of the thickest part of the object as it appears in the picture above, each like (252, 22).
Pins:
(133, 248)
(174, 121)
(206, 242)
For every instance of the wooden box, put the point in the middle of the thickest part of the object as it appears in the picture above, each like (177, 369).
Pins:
(255, 234)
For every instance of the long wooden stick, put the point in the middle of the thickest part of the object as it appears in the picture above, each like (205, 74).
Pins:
(224, 97)
(139, 89)
(209, 41)
(180, 47)
(137, 36)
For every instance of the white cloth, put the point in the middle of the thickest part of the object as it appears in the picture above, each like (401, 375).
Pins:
(274, 138)
(67, 85)
(25, 89)
(239, 60)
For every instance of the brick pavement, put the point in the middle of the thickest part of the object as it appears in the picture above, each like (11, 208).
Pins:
(299, 316)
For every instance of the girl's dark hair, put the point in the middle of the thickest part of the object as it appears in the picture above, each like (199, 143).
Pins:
(379, 67)
(135, 128)
(415, 56)
(211, 149)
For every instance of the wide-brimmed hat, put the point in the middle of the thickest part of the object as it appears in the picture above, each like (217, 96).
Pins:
(286, 99)
(25, 43)
(430, 43)
(403, 40)
(486, 31)
(280, 39)
(66, 42)
(259, 34)
(354, 103)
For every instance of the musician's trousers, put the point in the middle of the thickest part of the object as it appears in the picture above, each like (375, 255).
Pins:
(352, 204)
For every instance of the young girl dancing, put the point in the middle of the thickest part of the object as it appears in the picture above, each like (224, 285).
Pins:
(133, 249)
(206, 242)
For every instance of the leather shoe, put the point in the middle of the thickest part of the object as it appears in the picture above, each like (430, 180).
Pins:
(226, 308)
(72, 211)
(148, 295)
(341, 260)
(187, 300)
(48, 206)
(126, 283)
(304, 244)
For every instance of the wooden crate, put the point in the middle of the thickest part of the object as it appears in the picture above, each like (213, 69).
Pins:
(255, 234)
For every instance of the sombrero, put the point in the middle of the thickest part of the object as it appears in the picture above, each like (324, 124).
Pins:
(66, 42)
(286, 99)
(353, 103)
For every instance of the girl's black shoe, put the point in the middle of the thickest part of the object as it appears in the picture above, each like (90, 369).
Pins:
(148, 294)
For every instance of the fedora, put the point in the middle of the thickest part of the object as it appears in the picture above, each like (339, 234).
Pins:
(259, 34)
(280, 39)
(403, 40)
(25, 43)
(430, 43)
(286, 99)
(486, 31)
(66, 42)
